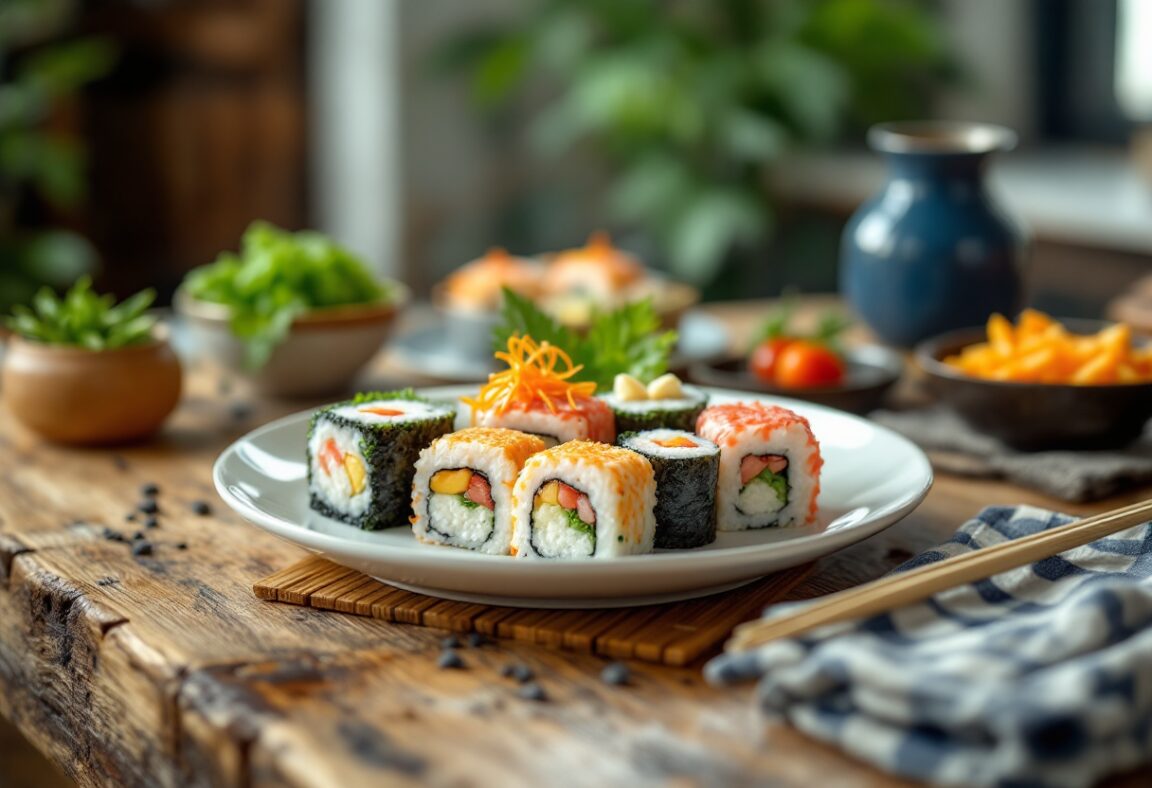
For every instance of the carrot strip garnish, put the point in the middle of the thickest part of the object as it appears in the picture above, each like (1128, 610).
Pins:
(537, 371)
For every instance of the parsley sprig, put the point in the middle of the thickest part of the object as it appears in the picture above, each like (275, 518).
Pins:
(627, 339)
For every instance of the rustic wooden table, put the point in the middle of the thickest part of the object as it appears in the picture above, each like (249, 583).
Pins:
(165, 669)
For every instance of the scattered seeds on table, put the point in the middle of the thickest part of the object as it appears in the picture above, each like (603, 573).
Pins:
(151, 522)
(136, 537)
(106, 581)
(113, 536)
(616, 674)
(452, 641)
(201, 508)
(150, 489)
(522, 673)
(476, 639)
(142, 548)
(130, 517)
(181, 545)
(532, 691)
(450, 659)
(148, 506)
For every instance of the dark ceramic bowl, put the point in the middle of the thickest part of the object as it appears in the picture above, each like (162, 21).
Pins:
(1036, 416)
(870, 371)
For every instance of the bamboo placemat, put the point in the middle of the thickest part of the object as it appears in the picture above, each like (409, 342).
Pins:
(676, 633)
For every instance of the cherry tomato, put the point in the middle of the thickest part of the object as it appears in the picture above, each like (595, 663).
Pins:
(762, 362)
(804, 364)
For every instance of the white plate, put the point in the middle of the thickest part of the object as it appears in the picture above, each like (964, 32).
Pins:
(430, 351)
(872, 477)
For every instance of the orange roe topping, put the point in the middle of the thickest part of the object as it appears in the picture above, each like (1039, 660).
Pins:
(536, 371)
(679, 442)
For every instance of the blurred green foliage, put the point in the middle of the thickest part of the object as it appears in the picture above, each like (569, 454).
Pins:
(690, 104)
(38, 162)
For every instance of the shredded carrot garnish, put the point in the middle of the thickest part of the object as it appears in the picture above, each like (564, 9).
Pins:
(536, 371)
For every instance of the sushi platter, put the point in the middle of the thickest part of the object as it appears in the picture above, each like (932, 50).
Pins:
(871, 477)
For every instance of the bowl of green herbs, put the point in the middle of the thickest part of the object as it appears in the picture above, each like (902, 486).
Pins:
(293, 312)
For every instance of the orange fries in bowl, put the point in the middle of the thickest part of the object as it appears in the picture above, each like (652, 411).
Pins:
(1038, 349)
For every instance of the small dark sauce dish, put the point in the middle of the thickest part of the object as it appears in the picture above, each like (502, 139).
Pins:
(870, 371)
(1036, 416)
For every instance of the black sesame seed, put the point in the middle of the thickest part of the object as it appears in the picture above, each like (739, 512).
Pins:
(523, 674)
(106, 581)
(616, 674)
(148, 506)
(450, 659)
(509, 670)
(130, 517)
(201, 508)
(136, 537)
(181, 545)
(533, 691)
(113, 536)
(476, 639)
(150, 489)
(142, 548)
(452, 641)
(151, 522)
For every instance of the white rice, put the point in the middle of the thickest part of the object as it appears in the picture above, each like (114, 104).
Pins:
(645, 442)
(693, 398)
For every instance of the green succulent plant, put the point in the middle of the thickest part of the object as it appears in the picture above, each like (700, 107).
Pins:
(84, 319)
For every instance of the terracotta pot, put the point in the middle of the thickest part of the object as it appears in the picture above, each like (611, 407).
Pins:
(323, 352)
(87, 397)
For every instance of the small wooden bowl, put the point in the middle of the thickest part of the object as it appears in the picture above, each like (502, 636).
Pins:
(77, 396)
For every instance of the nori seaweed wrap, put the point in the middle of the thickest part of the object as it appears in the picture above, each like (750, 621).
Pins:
(686, 468)
(674, 414)
(362, 455)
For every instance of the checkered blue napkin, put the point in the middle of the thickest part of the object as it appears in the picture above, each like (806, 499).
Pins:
(1041, 676)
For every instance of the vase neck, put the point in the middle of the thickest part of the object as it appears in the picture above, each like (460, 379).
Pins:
(952, 167)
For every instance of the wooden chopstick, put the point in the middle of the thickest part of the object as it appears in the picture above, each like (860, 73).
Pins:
(902, 589)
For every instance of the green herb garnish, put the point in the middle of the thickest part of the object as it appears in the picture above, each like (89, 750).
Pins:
(277, 276)
(467, 503)
(778, 323)
(626, 339)
(577, 524)
(84, 319)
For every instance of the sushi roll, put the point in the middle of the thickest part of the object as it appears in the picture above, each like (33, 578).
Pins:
(536, 394)
(362, 453)
(461, 495)
(686, 468)
(589, 419)
(584, 499)
(663, 403)
(769, 465)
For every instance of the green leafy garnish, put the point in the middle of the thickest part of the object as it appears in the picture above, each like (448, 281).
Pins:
(277, 276)
(467, 503)
(626, 339)
(84, 319)
(577, 524)
(776, 481)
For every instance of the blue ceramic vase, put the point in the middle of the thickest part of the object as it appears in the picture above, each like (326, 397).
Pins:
(932, 251)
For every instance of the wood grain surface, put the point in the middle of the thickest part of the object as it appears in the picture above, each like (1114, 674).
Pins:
(677, 633)
(165, 669)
